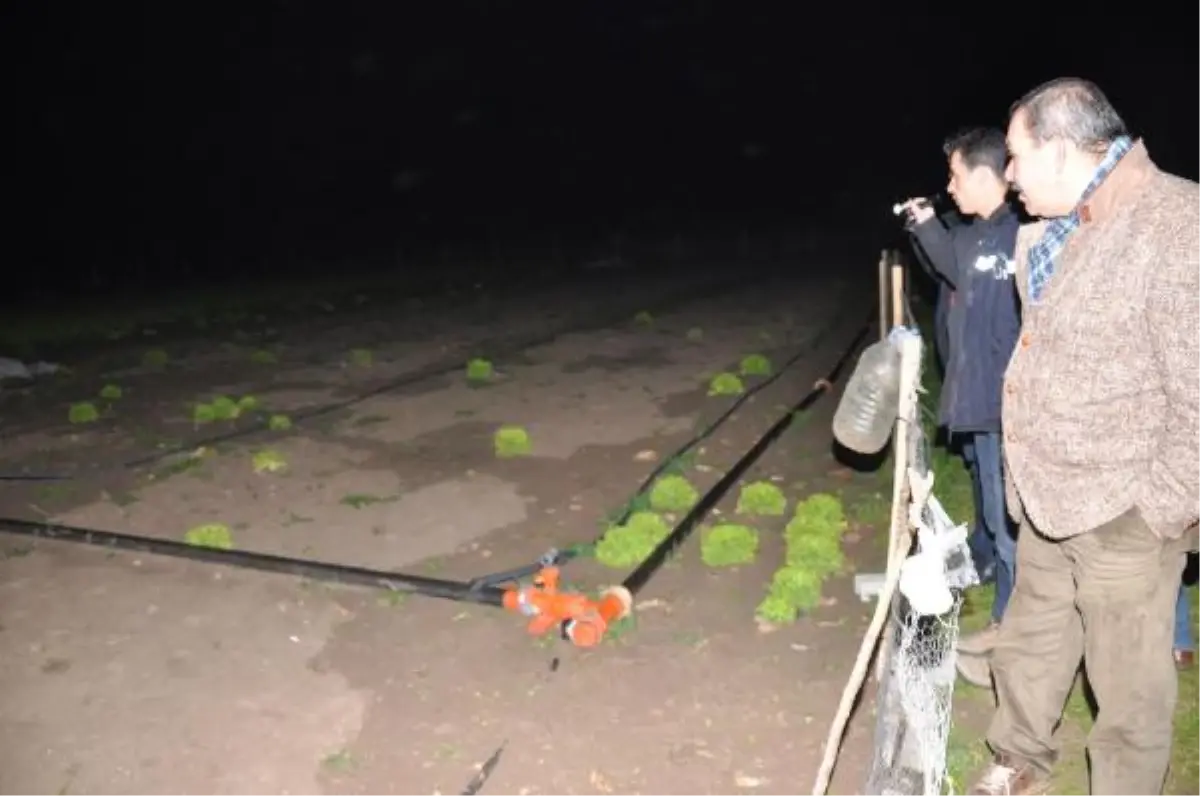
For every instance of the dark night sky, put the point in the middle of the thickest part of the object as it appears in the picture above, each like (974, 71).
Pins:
(171, 131)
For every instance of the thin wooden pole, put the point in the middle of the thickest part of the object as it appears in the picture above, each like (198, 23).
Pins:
(833, 742)
(897, 293)
(899, 534)
(883, 295)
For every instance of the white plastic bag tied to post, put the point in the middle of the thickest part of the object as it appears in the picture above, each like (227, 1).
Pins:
(926, 511)
(960, 567)
(923, 577)
(923, 582)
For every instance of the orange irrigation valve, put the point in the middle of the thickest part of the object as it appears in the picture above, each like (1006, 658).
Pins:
(582, 619)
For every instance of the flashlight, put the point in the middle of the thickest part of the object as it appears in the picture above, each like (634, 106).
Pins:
(900, 208)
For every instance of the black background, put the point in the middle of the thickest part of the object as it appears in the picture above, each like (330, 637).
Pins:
(161, 141)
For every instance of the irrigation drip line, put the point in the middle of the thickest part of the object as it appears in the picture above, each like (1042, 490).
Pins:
(36, 477)
(648, 482)
(263, 562)
(651, 564)
(642, 574)
(434, 370)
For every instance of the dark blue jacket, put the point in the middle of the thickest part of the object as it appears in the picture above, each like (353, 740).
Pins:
(951, 220)
(984, 317)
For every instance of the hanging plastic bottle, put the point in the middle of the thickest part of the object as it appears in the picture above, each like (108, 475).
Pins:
(867, 412)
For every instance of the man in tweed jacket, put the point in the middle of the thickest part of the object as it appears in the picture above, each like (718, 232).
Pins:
(1101, 444)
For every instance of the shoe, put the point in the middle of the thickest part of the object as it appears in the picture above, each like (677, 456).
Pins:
(975, 669)
(1185, 659)
(979, 643)
(1006, 777)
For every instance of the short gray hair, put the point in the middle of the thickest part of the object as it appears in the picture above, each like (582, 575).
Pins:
(1072, 109)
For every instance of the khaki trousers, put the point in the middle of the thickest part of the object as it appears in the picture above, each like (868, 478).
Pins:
(1106, 597)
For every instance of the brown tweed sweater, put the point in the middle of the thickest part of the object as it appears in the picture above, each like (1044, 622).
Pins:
(1102, 393)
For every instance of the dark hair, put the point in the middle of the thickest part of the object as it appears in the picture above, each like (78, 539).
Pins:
(1073, 109)
(979, 146)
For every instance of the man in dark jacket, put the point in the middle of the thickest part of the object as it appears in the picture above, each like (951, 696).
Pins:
(983, 324)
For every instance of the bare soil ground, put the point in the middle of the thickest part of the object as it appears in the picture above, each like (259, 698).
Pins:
(136, 674)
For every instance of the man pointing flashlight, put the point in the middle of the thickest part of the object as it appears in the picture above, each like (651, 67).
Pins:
(983, 325)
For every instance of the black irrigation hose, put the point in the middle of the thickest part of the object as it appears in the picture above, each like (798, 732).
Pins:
(644, 571)
(431, 371)
(35, 477)
(263, 562)
(648, 482)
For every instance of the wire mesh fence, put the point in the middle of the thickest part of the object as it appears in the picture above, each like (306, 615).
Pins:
(917, 648)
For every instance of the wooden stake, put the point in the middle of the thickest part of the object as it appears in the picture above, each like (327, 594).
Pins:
(899, 534)
(883, 295)
(897, 293)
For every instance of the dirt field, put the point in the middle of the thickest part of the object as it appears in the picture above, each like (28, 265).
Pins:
(132, 673)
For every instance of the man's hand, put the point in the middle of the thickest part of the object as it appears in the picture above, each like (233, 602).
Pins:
(919, 209)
